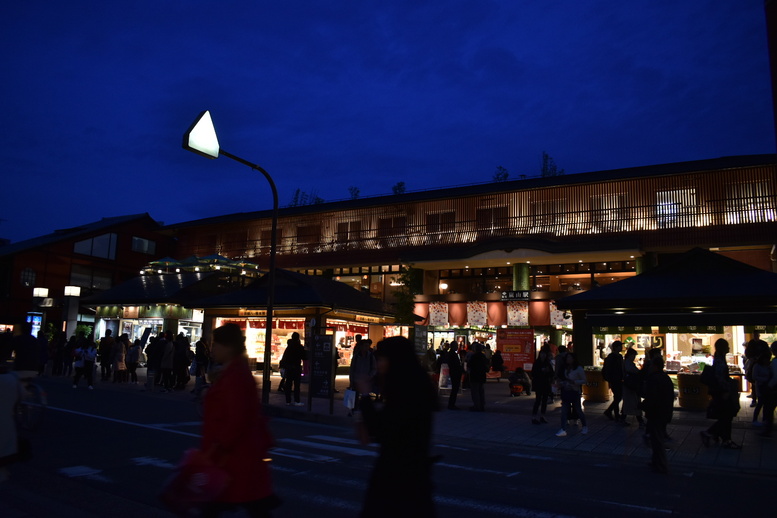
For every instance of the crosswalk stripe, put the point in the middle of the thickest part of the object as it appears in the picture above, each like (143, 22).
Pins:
(330, 447)
(293, 454)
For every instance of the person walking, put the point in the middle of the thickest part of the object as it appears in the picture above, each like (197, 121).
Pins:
(767, 390)
(658, 406)
(401, 480)
(104, 351)
(632, 388)
(167, 363)
(455, 371)
(133, 359)
(119, 355)
(154, 361)
(571, 389)
(235, 435)
(202, 360)
(725, 398)
(291, 363)
(612, 371)
(542, 376)
(363, 367)
(85, 356)
(477, 368)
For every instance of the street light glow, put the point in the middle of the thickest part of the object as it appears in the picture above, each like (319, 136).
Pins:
(201, 137)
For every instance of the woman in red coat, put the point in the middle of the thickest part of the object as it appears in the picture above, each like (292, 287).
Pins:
(235, 435)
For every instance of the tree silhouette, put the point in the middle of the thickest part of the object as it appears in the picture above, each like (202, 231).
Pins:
(548, 167)
(501, 174)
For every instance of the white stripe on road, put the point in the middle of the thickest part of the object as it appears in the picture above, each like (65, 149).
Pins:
(532, 457)
(121, 421)
(503, 509)
(640, 507)
(479, 470)
(330, 447)
(152, 461)
(340, 440)
(293, 454)
(450, 447)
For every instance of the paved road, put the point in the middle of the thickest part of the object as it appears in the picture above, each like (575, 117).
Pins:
(107, 453)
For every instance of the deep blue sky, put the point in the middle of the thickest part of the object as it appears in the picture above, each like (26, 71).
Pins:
(327, 95)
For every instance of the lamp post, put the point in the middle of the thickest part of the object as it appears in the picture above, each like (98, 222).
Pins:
(201, 139)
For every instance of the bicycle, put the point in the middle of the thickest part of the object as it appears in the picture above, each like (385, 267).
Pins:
(31, 406)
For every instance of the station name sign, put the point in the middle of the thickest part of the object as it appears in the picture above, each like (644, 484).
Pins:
(516, 295)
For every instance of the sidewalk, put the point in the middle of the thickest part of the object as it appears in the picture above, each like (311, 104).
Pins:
(507, 423)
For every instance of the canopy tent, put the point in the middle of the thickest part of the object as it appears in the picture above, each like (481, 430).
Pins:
(698, 288)
(295, 290)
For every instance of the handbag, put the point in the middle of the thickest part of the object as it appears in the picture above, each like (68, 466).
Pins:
(349, 399)
(196, 480)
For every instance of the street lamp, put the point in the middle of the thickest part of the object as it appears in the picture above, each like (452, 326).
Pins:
(201, 139)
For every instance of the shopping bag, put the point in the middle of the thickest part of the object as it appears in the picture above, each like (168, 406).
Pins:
(349, 399)
(445, 377)
(195, 481)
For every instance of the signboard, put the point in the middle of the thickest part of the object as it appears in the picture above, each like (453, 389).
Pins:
(516, 295)
(322, 367)
(713, 330)
(421, 339)
(517, 346)
(618, 330)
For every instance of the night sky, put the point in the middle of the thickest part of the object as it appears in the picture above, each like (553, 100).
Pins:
(328, 95)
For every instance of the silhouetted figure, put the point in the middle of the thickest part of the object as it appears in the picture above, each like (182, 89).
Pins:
(401, 481)
(291, 363)
(658, 406)
(725, 399)
(234, 431)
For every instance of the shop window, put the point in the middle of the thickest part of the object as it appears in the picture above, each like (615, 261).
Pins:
(144, 246)
(749, 203)
(676, 208)
(28, 277)
(103, 246)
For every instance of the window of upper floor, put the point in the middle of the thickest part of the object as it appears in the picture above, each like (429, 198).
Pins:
(90, 278)
(348, 231)
(143, 246)
(103, 246)
(441, 222)
(749, 202)
(676, 208)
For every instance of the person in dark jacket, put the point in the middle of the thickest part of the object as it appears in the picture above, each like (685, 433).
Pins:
(477, 368)
(658, 406)
(291, 363)
(455, 370)
(25, 350)
(401, 480)
(105, 351)
(542, 376)
(613, 373)
(725, 399)
(154, 361)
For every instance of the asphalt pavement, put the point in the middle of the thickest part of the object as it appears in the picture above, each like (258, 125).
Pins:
(504, 426)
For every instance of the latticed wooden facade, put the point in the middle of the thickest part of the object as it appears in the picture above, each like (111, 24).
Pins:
(726, 202)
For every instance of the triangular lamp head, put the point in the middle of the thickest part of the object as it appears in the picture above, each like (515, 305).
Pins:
(201, 137)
